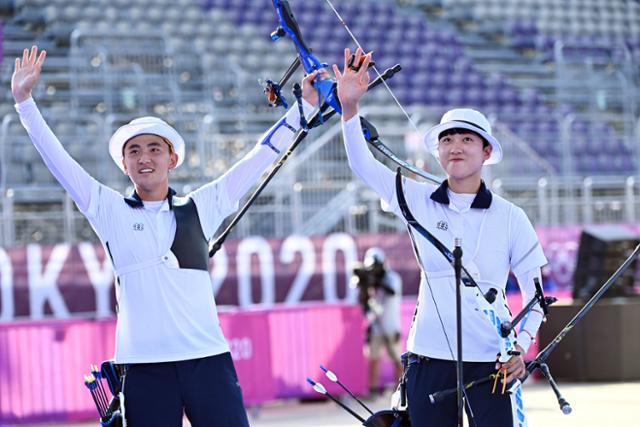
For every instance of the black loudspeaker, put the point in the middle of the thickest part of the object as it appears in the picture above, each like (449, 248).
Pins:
(602, 347)
(601, 252)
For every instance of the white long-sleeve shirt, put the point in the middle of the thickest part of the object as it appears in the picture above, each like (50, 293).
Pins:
(165, 313)
(496, 237)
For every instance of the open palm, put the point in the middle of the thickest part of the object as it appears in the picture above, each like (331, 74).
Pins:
(352, 81)
(26, 73)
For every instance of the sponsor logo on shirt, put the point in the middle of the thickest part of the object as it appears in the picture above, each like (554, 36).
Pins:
(442, 225)
(138, 226)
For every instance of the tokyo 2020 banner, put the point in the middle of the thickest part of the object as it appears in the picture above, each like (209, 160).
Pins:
(65, 280)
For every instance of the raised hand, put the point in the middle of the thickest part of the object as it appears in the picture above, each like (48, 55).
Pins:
(26, 73)
(352, 81)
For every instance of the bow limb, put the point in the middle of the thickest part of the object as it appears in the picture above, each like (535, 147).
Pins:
(289, 26)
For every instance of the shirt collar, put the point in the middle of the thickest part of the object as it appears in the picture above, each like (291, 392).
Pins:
(135, 201)
(481, 201)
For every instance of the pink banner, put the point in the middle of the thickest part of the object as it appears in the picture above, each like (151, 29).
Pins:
(42, 364)
(248, 335)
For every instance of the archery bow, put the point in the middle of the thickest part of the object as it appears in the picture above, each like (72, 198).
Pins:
(372, 137)
(538, 298)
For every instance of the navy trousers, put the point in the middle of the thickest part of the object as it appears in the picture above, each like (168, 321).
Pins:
(207, 390)
(425, 376)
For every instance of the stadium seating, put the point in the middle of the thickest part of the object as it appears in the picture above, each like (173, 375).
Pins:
(584, 54)
(441, 73)
(197, 63)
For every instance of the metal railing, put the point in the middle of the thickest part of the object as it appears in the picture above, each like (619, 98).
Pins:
(352, 208)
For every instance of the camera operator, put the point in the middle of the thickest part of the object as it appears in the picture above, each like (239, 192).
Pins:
(379, 294)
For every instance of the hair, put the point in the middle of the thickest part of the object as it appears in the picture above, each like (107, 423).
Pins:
(169, 143)
(457, 131)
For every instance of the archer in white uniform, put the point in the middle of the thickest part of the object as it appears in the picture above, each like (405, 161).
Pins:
(168, 333)
(496, 237)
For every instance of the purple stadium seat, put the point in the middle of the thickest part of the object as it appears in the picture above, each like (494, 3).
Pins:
(464, 64)
(508, 96)
(415, 97)
(473, 96)
(435, 95)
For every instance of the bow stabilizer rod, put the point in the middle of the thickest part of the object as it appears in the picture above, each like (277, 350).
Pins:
(507, 326)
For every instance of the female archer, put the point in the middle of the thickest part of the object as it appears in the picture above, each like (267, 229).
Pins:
(496, 237)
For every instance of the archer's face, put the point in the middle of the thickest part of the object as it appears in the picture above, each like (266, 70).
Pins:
(147, 161)
(462, 155)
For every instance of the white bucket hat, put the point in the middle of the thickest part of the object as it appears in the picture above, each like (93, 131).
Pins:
(464, 118)
(141, 126)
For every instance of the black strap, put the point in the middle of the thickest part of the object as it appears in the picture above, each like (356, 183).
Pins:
(190, 246)
(472, 124)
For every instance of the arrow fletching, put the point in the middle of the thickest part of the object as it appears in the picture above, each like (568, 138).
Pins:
(329, 374)
(317, 386)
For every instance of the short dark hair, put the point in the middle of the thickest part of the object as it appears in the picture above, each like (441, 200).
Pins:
(458, 131)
